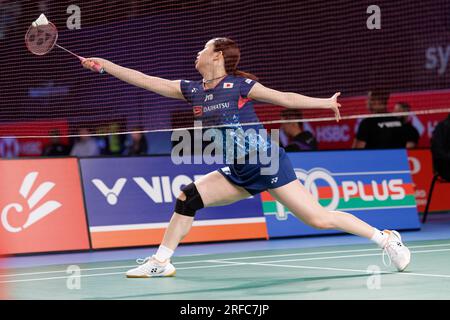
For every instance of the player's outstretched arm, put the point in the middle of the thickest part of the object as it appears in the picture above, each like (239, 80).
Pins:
(293, 100)
(164, 87)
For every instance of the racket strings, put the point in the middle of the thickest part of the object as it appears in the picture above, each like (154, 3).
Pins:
(41, 39)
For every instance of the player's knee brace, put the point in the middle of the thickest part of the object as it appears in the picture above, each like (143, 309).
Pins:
(191, 204)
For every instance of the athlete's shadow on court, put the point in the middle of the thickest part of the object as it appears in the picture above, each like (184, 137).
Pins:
(245, 284)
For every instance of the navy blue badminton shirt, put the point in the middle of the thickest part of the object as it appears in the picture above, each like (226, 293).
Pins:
(227, 108)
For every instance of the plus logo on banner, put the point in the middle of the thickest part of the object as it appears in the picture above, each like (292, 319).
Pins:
(356, 182)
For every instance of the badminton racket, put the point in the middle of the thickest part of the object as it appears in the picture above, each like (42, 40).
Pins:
(41, 38)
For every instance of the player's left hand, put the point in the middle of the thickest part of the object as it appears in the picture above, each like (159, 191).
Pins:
(334, 105)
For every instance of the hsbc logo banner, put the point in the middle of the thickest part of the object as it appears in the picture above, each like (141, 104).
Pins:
(375, 186)
(41, 206)
(129, 199)
(12, 147)
(339, 136)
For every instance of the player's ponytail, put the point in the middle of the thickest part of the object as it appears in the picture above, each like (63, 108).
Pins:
(240, 73)
(231, 56)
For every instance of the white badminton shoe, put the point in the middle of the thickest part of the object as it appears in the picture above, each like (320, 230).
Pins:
(397, 252)
(150, 267)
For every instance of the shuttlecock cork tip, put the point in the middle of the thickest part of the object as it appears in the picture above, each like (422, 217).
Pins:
(42, 20)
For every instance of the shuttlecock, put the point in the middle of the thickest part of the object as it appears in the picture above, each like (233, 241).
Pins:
(42, 20)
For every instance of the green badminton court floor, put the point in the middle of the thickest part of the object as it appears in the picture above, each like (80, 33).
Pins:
(330, 272)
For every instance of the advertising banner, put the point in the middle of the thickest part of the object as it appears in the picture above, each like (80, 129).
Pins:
(26, 147)
(331, 135)
(41, 206)
(130, 202)
(421, 165)
(375, 186)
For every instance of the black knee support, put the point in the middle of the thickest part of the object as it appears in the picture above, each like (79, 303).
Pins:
(191, 204)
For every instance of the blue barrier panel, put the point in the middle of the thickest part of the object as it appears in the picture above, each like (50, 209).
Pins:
(130, 201)
(375, 186)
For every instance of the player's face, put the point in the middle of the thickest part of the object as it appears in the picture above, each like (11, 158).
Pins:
(206, 56)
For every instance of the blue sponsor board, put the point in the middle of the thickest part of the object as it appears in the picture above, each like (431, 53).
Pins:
(142, 190)
(375, 186)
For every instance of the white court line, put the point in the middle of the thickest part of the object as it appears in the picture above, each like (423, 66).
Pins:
(351, 270)
(272, 264)
(329, 252)
(113, 273)
(238, 258)
(330, 258)
(263, 263)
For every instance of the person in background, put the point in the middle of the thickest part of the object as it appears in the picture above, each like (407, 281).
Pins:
(299, 139)
(136, 144)
(384, 132)
(412, 136)
(440, 148)
(56, 147)
(112, 144)
(86, 146)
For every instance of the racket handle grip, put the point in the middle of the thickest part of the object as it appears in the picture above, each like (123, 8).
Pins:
(97, 67)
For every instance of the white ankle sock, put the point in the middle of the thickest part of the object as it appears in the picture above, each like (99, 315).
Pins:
(379, 237)
(163, 253)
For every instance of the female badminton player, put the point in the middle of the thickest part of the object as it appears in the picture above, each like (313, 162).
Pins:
(224, 97)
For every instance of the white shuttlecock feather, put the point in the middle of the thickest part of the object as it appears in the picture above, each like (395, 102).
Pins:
(41, 21)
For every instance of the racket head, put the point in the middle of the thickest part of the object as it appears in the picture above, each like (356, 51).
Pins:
(41, 39)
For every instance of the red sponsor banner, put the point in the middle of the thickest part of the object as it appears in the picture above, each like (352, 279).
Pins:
(3, 270)
(332, 135)
(41, 206)
(26, 147)
(420, 162)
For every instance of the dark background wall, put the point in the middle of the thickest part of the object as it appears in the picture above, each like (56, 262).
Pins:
(311, 47)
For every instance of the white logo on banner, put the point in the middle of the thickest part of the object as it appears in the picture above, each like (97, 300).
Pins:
(160, 189)
(32, 200)
(112, 195)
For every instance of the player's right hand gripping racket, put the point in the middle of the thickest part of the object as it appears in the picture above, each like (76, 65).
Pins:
(41, 38)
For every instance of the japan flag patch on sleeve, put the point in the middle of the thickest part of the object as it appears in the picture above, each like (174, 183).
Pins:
(228, 85)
